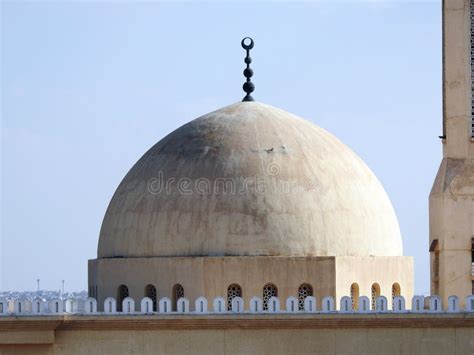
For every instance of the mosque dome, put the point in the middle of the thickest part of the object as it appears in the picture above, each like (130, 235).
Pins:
(249, 180)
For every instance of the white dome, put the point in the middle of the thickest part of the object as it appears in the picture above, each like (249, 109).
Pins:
(250, 179)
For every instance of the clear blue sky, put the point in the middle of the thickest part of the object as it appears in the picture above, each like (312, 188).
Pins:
(88, 87)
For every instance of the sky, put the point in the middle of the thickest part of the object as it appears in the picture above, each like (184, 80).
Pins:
(87, 87)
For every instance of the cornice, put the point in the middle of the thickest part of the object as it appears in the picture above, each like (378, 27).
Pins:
(190, 322)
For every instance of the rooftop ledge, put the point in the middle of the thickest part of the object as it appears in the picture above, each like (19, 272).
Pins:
(243, 321)
(127, 307)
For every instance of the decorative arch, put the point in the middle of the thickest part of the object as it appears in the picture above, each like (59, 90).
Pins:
(396, 290)
(178, 292)
(269, 290)
(122, 293)
(150, 292)
(305, 290)
(375, 292)
(355, 296)
(234, 290)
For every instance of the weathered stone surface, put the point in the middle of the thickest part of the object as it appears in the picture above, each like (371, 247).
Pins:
(319, 198)
(246, 334)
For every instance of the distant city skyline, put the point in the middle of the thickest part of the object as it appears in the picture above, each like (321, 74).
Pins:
(88, 87)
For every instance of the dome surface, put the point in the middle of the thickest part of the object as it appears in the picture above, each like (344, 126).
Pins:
(249, 179)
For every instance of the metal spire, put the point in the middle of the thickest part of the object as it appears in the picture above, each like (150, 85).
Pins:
(249, 87)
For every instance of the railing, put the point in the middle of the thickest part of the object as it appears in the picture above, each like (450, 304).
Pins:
(39, 307)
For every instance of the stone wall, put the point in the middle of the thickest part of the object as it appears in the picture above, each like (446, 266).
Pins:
(241, 334)
(211, 276)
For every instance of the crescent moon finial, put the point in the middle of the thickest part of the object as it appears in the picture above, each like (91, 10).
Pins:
(247, 44)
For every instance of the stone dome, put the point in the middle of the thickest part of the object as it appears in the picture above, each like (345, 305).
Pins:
(249, 179)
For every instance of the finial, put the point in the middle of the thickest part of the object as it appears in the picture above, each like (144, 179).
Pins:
(249, 87)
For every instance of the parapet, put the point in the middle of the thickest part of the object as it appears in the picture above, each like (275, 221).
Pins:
(39, 307)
